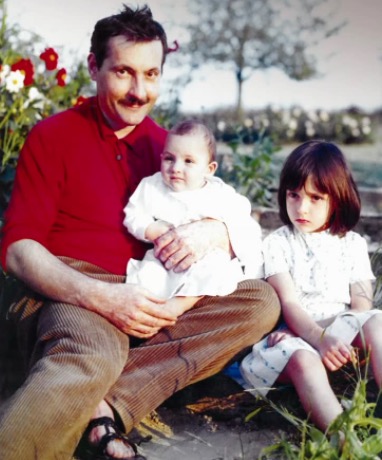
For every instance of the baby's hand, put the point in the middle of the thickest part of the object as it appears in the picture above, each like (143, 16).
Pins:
(277, 336)
(334, 352)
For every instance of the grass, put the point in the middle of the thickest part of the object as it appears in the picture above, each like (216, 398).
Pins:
(361, 429)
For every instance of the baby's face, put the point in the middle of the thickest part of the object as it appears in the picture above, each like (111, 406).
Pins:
(185, 162)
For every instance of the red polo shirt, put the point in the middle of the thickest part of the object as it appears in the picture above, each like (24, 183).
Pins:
(73, 179)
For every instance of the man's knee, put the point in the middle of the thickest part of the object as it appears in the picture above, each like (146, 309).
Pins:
(263, 305)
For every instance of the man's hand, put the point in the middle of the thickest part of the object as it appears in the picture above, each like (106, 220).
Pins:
(179, 248)
(132, 309)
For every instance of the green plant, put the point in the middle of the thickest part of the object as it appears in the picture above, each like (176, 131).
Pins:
(249, 168)
(32, 87)
(356, 434)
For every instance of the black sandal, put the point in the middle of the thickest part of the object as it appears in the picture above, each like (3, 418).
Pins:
(89, 451)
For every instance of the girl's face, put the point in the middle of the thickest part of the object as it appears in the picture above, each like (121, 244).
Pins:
(185, 162)
(308, 209)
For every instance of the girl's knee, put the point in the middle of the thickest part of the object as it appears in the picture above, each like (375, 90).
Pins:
(303, 361)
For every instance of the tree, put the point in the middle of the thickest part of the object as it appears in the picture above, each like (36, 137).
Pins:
(248, 35)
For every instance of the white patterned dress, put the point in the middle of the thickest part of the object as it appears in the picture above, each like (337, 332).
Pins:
(323, 267)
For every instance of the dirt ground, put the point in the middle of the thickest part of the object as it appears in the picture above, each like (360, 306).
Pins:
(207, 422)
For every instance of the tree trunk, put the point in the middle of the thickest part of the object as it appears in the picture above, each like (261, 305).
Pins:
(239, 103)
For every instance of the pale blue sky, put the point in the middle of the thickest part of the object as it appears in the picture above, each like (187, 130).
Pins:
(351, 63)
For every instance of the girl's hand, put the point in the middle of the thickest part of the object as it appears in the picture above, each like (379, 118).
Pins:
(277, 336)
(334, 352)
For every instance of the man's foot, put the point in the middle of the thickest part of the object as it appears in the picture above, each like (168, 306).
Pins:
(103, 440)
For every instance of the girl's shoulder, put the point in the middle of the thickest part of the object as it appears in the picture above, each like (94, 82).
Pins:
(284, 232)
(354, 240)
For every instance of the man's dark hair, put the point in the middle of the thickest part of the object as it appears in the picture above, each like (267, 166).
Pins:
(136, 25)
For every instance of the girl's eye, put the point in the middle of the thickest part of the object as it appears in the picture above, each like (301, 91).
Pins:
(291, 194)
(189, 161)
(316, 198)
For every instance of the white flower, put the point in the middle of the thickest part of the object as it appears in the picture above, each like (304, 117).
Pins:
(285, 117)
(324, 116)
(366, 130)
(347, 120)
(4, 72)
(366, 121)
(248, 122)
(34, 94)
(355, 132)
(297, 111)
(290, 133)
(35, 98)
(221, 125)
(293, 124)
(312, 115)
(14, 81)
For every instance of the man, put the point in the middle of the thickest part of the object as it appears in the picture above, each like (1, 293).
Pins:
(86, 335)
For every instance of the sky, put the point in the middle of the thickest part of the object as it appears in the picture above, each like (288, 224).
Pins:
(350, 63)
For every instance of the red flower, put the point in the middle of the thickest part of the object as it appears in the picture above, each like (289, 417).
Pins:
(61, 77)
(26, 67)
(80, 100)
(50, 57)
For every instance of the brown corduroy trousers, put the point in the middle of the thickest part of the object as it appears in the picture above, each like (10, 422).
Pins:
(76, 358)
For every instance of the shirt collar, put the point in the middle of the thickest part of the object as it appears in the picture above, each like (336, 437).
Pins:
(131, 140)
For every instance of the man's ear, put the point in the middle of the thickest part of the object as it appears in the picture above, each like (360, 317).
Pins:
(92, 66)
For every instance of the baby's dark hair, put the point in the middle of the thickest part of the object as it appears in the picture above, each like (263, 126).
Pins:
(136, 25)
(326, 165)
(193, 126)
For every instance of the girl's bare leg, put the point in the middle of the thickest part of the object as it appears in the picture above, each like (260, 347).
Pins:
(373, 339)
(308, 375)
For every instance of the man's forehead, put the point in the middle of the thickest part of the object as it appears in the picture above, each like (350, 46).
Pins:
(122, 43)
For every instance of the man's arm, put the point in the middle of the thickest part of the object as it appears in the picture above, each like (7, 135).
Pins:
(130, 308)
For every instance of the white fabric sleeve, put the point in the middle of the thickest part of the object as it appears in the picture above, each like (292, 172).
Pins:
(361, 265)
(138, 212)
(275, 257)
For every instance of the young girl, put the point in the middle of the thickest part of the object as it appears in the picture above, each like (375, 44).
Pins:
(322, 274)
(183, 191)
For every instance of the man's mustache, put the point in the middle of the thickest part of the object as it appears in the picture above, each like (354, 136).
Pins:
(132, 100)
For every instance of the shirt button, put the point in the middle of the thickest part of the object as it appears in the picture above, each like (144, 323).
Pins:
(119, 157)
